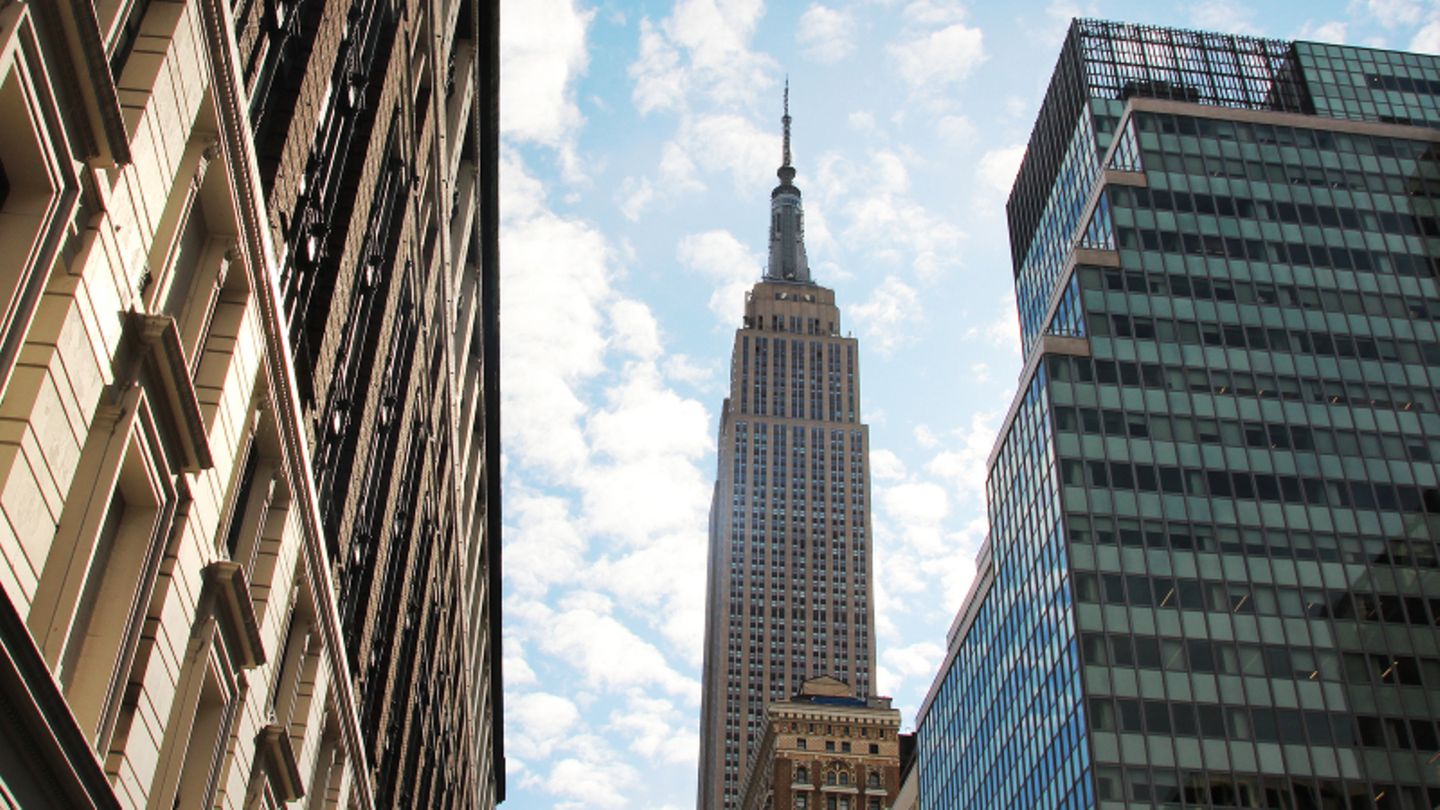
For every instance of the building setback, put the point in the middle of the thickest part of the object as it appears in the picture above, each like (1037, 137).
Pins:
(1212, 576)
(247, 372)
(789, 580)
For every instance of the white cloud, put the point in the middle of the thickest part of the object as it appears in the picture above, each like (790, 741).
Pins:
(919, 509)
(883, 221)
(646, 440)
(665, 583)
(885, 465)
(656, 730)
(679, 176)
(700, 52)
(1395, 13)
(556, 271)
(884, 318)
(1001, 331)
(730, 266)
(924, 436)
(539, 722)
(604, 651)
(861, 121)
(1427, 39)
(826, 35)
(1333, 31)
(957, 130)
(730, 143)
(963, 465)
(595, 778)
(543, 51)
(933, 12)
(997, 168)
(517, 670)
(931, 61)
(1229, 16)
(683, 368)
(635, 195)
(543, 546)
(921, 659)
(660, 82)
(636, 331)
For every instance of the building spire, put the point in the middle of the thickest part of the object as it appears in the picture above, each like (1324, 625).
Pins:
(786, 121)
(787, 218)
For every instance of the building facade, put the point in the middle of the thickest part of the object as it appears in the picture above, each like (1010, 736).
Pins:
(825, 749)
(1211, 578)
(789, 580)
(215, 213)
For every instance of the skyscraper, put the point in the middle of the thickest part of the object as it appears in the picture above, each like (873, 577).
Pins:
(1211, 577)
(789, 580)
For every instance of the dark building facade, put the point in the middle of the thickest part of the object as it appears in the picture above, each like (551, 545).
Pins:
(375, 131)
(249, 490)
(790, 577)
(1212, 577)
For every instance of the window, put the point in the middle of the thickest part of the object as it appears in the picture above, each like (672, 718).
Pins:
(203, 743)
(38, 189)
(94, 592)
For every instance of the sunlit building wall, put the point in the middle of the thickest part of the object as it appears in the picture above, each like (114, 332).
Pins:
(173, 625)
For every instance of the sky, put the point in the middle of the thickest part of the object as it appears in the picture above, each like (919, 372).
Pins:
(639, 142)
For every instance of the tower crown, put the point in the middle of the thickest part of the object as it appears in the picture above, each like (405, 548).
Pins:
(787, 217)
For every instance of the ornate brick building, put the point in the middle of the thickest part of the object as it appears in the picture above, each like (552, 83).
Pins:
(825, 749)
(247, 372)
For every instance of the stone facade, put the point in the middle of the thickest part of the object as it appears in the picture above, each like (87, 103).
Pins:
(187, 621)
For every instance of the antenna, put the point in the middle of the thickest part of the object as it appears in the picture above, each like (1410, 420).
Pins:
(786, 121)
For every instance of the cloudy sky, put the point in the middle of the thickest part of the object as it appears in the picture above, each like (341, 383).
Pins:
(640, 141)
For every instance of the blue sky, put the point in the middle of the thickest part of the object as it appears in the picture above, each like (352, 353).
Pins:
(640, 141)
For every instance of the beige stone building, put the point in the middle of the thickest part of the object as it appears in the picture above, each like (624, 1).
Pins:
(169, 632)
(825, 749)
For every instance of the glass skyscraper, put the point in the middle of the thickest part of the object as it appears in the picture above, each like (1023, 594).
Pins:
(789, 580)
(1211, 578)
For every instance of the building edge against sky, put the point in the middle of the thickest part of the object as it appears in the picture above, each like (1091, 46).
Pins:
(789, 578)
(1212, 575)
(215, 216)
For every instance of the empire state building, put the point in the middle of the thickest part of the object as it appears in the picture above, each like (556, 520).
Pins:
(789, 581)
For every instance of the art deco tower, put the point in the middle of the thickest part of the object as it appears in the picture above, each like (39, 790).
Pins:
(789, 567)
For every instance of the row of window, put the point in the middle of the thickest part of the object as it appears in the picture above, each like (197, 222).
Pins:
(1168, 788)
(1348, 387)
(1233, 433)
(1214, 288)
(1186, 593)
(1260, 724)
(1294, 213)
(1260, 660)
(1255, 542)
(1241, 336)
(1246, 485)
